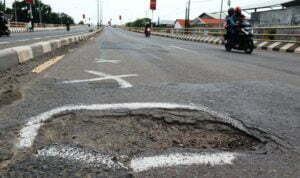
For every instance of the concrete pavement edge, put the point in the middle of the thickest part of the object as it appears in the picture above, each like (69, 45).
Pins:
(17, 55)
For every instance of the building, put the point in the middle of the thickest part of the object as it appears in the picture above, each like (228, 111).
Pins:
(208, 20)
(179, 24)
(282, 12)
(165, 23)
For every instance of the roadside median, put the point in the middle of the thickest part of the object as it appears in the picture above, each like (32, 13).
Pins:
(290, 47)
(11, 57)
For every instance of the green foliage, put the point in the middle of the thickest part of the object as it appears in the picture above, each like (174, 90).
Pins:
(48, 16)
(139, 22)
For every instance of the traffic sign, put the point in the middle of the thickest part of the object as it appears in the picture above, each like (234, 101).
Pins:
(153, 4)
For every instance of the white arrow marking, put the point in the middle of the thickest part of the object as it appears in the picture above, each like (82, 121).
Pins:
(123, 83)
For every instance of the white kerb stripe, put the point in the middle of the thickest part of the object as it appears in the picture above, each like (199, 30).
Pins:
(184, 159)
(24, 53)
(273, 45)
(287, 46)
(46, 46)
(297, 50)
(262, 44)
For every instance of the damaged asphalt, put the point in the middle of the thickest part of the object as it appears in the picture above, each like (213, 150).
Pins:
(245, 88)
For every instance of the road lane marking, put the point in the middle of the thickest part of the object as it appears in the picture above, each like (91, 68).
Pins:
(93, 159)
(29, 132)
(47, 64)
(5, 42)
(119, 78)
(23, 40)
(181, 159)
(139, 164)
(184, 49)
(107, 61)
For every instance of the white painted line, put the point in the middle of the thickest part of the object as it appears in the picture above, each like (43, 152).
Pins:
(107, 61)
(37, 38)
(4, 42)
(92, 159)
(22, 40)
(123, 83)
(262, 44)
(190, 51)
(181, 159)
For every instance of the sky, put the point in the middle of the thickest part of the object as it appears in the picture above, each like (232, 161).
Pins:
(133, 9)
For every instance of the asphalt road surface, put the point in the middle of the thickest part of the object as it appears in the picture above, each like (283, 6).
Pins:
(17, 39)
(122, 105)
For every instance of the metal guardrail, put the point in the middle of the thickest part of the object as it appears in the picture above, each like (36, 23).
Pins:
(274, 34)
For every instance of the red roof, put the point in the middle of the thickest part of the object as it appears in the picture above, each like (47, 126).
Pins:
(210, 21)
(181, 22)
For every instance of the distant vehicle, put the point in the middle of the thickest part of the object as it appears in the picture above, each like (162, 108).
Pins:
(5, 31)
(244, 40)
(148, 32)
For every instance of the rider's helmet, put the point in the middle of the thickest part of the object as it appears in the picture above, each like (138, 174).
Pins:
(1, 13)
(230, 11)
(238, 10)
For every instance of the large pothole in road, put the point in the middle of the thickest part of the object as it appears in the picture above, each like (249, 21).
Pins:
(109, 143)
(136, 132)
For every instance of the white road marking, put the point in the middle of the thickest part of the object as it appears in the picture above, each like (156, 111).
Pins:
(30, 130)
(23, 40)
(123, 83)
(92, 159)
(183, 159)
(188, 50)
(4, 42)
(107, 61)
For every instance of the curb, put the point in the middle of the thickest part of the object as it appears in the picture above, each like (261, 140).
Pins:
(262, 45)
(18, 55)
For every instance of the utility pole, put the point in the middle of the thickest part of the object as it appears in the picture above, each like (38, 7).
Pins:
(221, 11)
(4, 6)
(16, 13)
(40, 12)
(188, 14)
(98, 13)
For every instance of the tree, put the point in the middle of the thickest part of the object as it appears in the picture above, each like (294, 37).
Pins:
(46, 13)
(139, 22)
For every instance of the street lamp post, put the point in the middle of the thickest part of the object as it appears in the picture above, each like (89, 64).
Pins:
(222, 1)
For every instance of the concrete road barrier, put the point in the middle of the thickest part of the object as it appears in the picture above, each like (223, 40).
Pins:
(17, 55)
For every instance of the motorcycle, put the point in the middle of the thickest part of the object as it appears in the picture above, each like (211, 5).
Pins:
(148, 32)
(244, 41)
(5, 31)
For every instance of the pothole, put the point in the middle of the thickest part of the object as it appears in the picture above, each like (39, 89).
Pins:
(77, 140)
(136, 132)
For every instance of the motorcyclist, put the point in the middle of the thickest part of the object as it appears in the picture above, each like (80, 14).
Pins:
(235, 21)
(148, 26)
(3, 22)
(230, 23)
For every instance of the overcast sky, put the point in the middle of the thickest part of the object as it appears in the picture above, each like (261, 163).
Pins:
(132, 9)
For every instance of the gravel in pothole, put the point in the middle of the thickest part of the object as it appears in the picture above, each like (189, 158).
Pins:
(133, 133)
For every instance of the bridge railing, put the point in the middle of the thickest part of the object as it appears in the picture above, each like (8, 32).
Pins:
(275, 34)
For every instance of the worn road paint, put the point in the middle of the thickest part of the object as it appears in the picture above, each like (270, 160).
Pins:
(190, 51)
(107, 61)
(91, 158)
(181, 159)
(123, 83)
(47, 64)
(30, 130)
